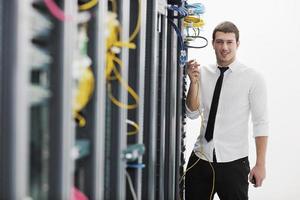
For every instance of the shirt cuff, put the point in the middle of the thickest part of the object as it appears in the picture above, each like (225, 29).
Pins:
(191, 114)
(261, 129)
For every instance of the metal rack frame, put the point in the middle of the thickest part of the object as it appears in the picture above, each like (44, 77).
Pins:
(156, 80)
(14, 100)
(92, 165)
(150, 103)
(62, 127)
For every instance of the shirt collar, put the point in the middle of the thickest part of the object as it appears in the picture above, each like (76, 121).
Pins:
(233, 67)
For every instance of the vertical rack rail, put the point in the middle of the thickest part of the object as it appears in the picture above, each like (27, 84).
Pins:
(62, 128)
(150, 103)
(14, 100)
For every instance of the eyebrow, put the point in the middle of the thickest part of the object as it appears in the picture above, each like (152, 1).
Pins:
(221, 40)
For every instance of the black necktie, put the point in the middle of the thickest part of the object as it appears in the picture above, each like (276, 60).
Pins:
(214, 106)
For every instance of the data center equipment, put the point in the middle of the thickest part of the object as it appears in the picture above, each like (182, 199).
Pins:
(92, 98)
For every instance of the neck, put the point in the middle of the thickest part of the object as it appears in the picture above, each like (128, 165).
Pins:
(225, 64)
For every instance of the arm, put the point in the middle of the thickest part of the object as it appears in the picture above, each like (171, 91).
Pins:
(259, 170)
(193, 99)
(258, 102)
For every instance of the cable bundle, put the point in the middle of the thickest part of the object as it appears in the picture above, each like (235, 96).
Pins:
(181, 10)
(83, 76)
(113, 63)
(195, 8)
(192, 23)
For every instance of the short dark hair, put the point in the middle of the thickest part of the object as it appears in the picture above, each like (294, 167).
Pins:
(227, 27)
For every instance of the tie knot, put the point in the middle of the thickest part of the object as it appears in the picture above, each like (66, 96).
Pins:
(223, 69)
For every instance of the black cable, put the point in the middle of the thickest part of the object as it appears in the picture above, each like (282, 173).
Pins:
(197, 47)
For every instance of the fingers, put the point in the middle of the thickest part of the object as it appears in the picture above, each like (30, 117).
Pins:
(256, 180)
(191, 61)
(194, 74)
(192, 64)
(253, 180)
(251, 176)
(193, 70)
(192, 67)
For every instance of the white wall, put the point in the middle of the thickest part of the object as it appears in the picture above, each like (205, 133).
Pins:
(270, 42)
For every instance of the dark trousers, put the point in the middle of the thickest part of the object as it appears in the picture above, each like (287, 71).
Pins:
(231, 179)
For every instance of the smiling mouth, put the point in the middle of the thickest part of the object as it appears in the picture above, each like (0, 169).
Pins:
(224, 54)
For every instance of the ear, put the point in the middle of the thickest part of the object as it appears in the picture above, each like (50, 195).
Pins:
(212, 43)
(238, 44)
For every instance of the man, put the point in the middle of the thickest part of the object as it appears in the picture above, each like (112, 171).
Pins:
(224, 95)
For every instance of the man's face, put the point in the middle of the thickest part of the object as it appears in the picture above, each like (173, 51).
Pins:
(225, 46)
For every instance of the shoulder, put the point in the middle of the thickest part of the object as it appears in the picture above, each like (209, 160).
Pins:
(255, 78)
(250, 71)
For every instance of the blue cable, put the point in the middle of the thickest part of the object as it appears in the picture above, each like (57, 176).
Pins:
(195, 8)
(182, 11)
(183, 56)
(137, 166)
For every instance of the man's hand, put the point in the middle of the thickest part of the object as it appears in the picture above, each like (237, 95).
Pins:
(193, 71)
(257, 175)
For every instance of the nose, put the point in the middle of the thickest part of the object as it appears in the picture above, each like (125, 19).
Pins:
(225, 46)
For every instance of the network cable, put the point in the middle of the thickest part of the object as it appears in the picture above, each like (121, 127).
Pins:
(113, 46)
(183, 54)
(182, 11)
(88, 5)
(56, 11)
(195, 8)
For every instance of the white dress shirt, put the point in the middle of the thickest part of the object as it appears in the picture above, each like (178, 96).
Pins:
(243, 93)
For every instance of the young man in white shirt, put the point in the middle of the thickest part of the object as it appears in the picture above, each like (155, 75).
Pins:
(219, 162)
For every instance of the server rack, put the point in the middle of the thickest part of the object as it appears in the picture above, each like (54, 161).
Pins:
(62, 127)
(136, 79)
(89, 166)
(116, 128)
(151, 70)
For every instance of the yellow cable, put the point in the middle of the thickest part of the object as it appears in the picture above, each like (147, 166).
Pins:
(192, 19)
(128, 88)
(112, 40)
(81, 120)
(212, 168)
(213, 171)
(112, 46)
(83, 94)
(85, 89)
(138, 23)
(124, 84)
(109, 64)
(193, 22)
(111, 58)
(88, 5)
(133, 124)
